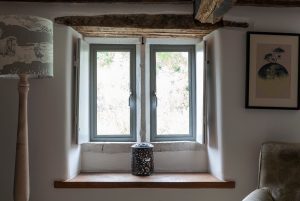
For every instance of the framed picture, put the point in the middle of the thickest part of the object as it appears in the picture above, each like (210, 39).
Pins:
(272, 71)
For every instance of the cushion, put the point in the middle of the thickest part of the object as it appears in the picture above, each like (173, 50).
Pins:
(262, 194)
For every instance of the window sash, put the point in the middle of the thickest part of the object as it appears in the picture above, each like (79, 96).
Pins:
(94, 48)
(192, 93)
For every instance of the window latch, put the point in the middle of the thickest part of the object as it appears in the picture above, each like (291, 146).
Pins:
(154, 99)
(130, 99)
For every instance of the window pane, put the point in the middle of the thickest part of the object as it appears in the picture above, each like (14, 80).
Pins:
(172, 88)
(113, 89)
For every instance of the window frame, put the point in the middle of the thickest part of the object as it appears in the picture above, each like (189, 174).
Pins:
(191, 49)
(94, 48)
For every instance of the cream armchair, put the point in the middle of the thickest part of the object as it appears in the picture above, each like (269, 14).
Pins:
(279, 173)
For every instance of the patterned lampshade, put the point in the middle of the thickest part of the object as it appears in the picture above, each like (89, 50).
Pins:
(26, 46)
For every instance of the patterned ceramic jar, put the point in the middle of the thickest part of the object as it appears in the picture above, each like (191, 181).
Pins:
(142, 159)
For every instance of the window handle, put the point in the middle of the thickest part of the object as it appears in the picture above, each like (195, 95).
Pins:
(154, 99)
(130, 100)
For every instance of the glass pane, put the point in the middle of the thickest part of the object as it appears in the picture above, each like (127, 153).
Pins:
(113, 89)
(172, 88)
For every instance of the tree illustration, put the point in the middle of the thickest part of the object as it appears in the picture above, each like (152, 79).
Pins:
(274, 56)
(273, 69)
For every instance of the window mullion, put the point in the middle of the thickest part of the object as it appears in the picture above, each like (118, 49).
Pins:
(142, 83)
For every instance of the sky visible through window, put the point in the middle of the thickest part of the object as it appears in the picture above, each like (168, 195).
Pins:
(172, 90)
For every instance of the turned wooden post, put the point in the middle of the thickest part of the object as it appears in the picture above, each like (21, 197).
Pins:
(21, 183)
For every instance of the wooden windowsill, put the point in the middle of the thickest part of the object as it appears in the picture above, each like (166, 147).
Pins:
(157, 180)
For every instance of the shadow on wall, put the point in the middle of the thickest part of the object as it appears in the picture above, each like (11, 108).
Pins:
(212, 138)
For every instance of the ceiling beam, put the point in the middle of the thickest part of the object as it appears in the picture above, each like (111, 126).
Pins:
(105, 1)
(92, 31)
(269, 3)
(165, 25)
(143, 21)
(211, 11)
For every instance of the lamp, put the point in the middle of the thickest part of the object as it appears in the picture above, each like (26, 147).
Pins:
(26, 51)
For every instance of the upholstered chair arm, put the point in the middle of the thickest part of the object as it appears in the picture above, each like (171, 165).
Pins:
(259, 195)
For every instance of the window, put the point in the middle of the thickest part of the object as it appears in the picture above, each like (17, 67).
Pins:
(125, 71)
(172, 87)
(113, 91)
(149, 91)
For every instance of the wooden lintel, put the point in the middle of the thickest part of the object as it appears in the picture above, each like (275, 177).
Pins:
(211, 11)
(142, 25)
(141, 21)
(96, 31)
(269, 3)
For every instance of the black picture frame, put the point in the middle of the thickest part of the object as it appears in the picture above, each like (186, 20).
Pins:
(272, 71)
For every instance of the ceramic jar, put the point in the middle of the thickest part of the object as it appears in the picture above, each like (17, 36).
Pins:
(142, 163)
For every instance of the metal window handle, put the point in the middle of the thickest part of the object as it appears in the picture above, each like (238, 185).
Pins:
(130, 100)
(154, 99)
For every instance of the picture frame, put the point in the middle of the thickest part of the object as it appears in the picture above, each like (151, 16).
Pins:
(272, 74)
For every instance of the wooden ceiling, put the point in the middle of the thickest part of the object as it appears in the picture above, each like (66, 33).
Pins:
(205, 12)
(106, 1)
(269, 3)
(212, 11)
(281, 3)
(238, 2)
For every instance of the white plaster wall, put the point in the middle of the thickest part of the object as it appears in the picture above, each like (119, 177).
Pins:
(245, 129)
(214, 103)
(237, 132)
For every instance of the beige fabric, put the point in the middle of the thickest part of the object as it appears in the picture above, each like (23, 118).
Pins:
(279, 171)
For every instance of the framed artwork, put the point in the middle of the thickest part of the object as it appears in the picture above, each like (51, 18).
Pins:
(272, 71)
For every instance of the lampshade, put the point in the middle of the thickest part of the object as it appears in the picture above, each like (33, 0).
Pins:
(26, 46)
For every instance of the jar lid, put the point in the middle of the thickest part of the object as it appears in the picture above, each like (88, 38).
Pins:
(142, 145)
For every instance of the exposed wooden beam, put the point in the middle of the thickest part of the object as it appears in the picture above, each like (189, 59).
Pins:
(106, 1)
(269, 3)
(93, 31)
(211, 11)
(142, 25)
(142, 21)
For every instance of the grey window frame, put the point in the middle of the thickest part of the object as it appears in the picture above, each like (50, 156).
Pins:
(191, 49)
(94, 48)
